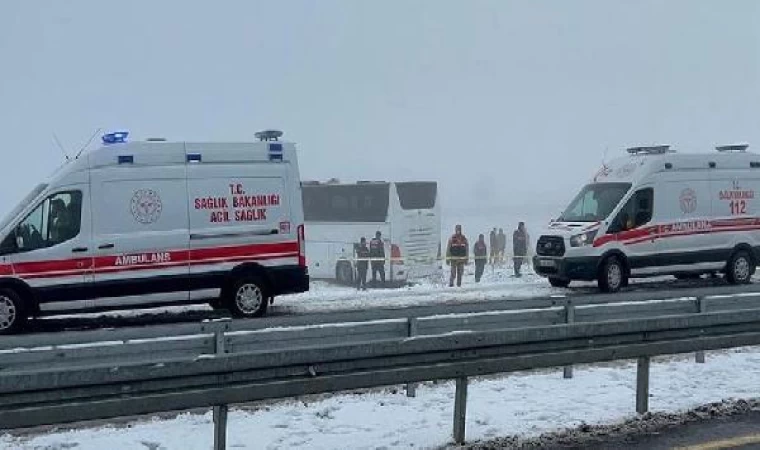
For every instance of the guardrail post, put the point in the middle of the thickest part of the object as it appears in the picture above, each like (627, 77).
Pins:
(220, 411)
(460, 410)
(701, 308)
(642, 385)
(220, 427)
(411, 388)
(569, 318)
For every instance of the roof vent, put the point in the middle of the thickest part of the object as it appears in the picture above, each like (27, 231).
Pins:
(732, 148)
(268, 135)
(650, 150)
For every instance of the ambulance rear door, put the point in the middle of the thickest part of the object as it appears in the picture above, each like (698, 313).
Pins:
(240, 213)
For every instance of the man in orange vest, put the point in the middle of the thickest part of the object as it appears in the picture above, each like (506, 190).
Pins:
(457, 255)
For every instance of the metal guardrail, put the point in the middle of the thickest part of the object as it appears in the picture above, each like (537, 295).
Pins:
(151, 344)
(229, 371)
(101, 392)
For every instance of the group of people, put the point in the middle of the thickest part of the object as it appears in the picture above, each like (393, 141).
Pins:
(366, 256)
(372, 255)
(458, 256)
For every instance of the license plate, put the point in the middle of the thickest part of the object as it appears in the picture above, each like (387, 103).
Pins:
(546, 263)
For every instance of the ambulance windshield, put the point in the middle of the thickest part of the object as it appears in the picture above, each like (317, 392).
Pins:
(595, 202)
(15, 211)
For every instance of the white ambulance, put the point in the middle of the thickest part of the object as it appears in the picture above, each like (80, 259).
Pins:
(155, 223)
(659, 212)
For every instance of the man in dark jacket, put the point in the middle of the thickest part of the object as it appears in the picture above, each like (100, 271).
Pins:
(501, 246)
(457, 255)
(480, 252)
(520, 247)
(377, 254)
(493, 246)
(362, 263)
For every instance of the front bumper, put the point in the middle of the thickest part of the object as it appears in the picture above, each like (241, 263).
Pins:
(579, 268)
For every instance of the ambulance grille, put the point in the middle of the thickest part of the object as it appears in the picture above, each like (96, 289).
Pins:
(550, 246)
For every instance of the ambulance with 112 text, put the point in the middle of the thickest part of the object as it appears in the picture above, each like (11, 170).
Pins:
(659, 212)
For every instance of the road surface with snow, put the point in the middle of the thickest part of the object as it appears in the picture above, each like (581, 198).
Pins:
(324, 297)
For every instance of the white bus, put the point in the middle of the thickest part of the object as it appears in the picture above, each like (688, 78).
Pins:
(338, 215)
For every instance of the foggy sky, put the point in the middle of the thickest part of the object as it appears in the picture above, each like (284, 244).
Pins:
(506, 104)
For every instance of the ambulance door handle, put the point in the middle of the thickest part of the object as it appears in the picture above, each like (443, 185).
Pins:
(78, 249)
(105, 246)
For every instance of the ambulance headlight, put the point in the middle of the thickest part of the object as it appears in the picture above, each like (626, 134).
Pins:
(582, 240)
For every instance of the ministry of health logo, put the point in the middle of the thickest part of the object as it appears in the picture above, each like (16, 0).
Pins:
(146, 206)
(688, 201)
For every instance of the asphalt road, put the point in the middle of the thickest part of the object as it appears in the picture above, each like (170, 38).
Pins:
(279, 317)
(734, 433)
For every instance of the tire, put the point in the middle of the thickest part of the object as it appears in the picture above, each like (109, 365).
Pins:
(248, 297)
(13, 313)
(344, 273)
(739, 268)
(612, 275)
(559, 282)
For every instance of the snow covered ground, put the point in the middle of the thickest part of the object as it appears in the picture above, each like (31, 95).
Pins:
(527, 405)
(497, 284)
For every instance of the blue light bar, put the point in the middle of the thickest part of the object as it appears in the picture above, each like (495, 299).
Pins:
(117, 137)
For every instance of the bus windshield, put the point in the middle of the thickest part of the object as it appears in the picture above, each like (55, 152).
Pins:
(346, 203)
(23, 203)
(417, 194)
(595, 202)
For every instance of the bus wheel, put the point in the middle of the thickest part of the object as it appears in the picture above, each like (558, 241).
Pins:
(12, 312)
(559, 282)
(612, 275)
(344, 273)
(248, 297)
(739, 270)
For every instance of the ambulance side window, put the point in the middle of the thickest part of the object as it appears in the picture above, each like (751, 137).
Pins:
(55, 221)
(636, 212)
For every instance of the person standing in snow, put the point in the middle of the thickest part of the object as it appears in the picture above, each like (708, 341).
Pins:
(362, 264)
(377, 253)
(480, 252)
(457, 255)
(493, 245)
(501, 244)
(520, 247)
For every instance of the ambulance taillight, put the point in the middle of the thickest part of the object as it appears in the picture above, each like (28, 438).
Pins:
(301, 246)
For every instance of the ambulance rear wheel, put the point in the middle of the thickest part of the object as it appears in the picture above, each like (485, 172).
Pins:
(739, 270)
(612, 275)
(559, 282)
(248, 297)
(12, 312)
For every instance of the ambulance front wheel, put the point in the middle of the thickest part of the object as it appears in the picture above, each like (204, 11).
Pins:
(612, 275)
(248, 297)
(740, 268)
(12, 312)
